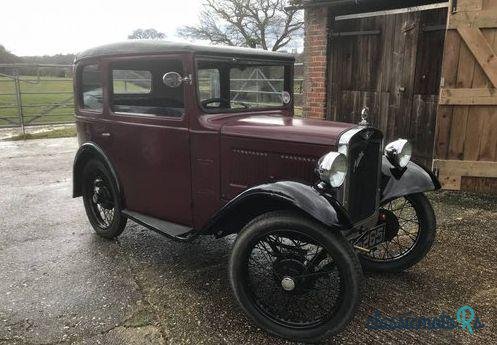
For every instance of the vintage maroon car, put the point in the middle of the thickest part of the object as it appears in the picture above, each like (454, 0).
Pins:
(197, 140)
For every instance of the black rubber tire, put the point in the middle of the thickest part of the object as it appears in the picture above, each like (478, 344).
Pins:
(119, 221)
(427, 232)
(334, 242)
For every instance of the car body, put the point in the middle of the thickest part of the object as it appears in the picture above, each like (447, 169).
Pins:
(214, 155)
(194, 149)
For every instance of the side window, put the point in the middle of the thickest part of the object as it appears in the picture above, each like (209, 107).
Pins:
(257, 87)
(209, 84)
(91, 88)
(138, 88)
(130, 81)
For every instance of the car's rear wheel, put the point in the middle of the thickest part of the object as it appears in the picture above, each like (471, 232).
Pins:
(294, 277)
(410, 233)
(101, 200)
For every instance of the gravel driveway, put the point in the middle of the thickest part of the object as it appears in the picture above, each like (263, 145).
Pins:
(59, 283)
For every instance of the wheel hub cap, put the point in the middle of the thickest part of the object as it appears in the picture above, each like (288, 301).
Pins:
(101, 195)
(288, 284)
(392, 224)
(96, 195)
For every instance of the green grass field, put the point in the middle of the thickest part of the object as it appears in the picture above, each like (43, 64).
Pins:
(46, 101)
(128, 87)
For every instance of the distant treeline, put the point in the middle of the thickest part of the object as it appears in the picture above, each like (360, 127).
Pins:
(63, 59)
(59, 59)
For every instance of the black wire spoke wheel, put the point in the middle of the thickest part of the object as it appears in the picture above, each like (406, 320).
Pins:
(294, 281)
(409, 234)
(294, 277)
(403, 237)
(101, 200)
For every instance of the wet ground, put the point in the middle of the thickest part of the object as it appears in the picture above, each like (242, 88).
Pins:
(59, 283)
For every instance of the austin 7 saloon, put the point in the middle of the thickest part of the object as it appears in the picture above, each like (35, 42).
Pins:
(193, 141)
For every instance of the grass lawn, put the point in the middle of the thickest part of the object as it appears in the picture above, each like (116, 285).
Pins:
(122, 87)
(55, 133)
(55, 105)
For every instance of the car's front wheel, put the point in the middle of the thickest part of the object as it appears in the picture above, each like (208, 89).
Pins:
(410, 233)
(294, 277)
(102, 201)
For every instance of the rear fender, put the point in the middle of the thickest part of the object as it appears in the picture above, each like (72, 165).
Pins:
(86, 152)
(412, 179)
(255, 201)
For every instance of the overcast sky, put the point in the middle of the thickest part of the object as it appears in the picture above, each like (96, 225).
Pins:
(47, 27)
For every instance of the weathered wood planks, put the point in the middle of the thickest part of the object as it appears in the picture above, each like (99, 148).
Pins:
(396, 73)
(466, 133)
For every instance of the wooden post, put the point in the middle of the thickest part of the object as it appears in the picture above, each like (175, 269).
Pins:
(19, 100)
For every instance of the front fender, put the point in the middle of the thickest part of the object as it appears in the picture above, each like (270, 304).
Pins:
(399, 182)
(275, 196)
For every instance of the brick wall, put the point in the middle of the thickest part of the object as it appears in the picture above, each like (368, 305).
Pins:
(315, 71)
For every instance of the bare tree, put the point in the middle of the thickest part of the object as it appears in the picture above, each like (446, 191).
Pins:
(262, 24)
(147, 34)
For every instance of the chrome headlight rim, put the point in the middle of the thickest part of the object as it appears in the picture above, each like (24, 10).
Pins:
(332, 168)
(399, 153)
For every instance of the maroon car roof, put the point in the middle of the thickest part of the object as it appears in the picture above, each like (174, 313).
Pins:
(157, 47)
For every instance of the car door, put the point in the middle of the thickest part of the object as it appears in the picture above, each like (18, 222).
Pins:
(150, 140)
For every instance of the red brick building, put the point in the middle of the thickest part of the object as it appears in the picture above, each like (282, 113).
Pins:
(315, 61)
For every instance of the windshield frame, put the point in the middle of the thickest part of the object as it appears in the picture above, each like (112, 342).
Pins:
(233, 61)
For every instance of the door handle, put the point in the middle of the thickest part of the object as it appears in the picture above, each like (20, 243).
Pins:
(105, 134)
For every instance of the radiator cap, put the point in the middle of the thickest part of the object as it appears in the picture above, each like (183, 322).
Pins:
(364, 117)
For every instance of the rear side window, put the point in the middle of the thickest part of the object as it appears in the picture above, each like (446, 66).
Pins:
(91, 88)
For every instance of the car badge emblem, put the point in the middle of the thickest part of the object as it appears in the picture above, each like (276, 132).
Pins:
(367, 134)
(364, 117)
(358, 161)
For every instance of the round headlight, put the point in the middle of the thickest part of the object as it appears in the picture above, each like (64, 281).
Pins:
(332, 168)
(399, 152)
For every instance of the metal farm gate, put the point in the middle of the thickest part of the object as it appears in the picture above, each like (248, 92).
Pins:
(35, 94)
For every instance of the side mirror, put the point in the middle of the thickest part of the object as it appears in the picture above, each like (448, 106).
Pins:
(174, 79)
(286, 97)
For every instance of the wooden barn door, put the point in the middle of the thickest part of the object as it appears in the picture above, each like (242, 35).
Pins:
(466, 140)
(390, 63)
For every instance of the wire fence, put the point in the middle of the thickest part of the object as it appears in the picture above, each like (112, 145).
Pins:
(42, 94)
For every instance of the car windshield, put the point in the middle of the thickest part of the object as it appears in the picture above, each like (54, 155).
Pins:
(238, 86)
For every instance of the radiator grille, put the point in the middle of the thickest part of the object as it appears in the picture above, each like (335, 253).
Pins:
(363, 177)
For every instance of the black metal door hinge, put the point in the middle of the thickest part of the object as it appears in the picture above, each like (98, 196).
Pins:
(453, 8)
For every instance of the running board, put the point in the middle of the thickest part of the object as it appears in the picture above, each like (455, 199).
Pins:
(171, 230)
